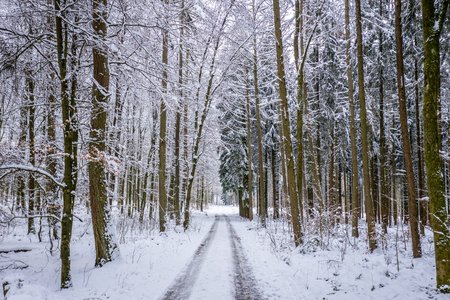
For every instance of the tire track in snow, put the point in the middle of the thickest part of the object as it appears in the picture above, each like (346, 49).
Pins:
(244, 281)
(182, 286)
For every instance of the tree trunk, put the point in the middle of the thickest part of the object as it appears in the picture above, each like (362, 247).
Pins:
(384, 199)
(276, 202)
(300, 101)
(346, 194)
(185, 141)
(292, 186)
(316, 182)
(432, 22)
(162, 134)
(423, 206)
(374, 182)
(249, 152)
(177, 182)
(332, 196)
(51, 195)
(115, 137)
(364, 132)
(29, 81)
(407, 155)
(70, 146)
(261, 195)
(394, 190)
(52, 205)
(202, 195)
(20, 195)
(283, 191)
(105, 246)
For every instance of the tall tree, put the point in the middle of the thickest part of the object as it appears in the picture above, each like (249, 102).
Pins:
(177, 181)
(432, 24)
(52, 205)
(284, 116)
(353, 137)
(384, 200)
(29, 81)
(68, 109)
(298, 52)
(23, 123)
(370, 214)
(420, 163)
(249, 150)
(105, 246)
(163, 131)
(261, 192)
(407, 155)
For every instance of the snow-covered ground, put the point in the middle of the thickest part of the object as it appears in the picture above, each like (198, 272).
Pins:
(147, 265)
(151, 263)
(333, 274)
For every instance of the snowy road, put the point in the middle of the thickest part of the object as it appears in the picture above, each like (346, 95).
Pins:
(221, 257)
(218, 270)
(244, 281)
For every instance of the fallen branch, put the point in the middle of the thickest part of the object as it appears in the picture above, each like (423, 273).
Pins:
(4, 251)
(15, 265)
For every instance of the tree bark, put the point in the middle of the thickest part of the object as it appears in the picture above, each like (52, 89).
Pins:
(178, 113)
(384, 199)
(105, 246)
(292, 186)
(261, 194)
(354, 151)
(407, 155)
(298, 52)
(276, 202)
(20, 194)
(29, 81)
(423, 207)
(70, 145)
(332, 190)
(364, 132)
(432, 22)
(249, 152)
(162, 134)
(52, 205)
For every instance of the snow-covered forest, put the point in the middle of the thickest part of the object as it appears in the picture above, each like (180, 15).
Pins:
(223, 149)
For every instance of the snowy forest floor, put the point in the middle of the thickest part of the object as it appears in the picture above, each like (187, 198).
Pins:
(221, 257)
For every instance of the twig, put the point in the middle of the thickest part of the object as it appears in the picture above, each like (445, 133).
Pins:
(34, 216)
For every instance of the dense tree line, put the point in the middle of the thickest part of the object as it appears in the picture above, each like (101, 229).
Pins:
(323, 113)
(342, 89)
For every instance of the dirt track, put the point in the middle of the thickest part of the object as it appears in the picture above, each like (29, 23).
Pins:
(244, 283)
(182, 286)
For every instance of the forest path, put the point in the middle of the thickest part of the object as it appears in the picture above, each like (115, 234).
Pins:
(218, 270)
(244, 282)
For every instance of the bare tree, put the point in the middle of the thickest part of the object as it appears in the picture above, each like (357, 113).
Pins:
(105, 246)
(370, 214)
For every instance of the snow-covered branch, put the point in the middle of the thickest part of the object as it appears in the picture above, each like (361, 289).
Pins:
(30, 168)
